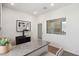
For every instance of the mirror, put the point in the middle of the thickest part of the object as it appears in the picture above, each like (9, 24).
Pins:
(55, 26)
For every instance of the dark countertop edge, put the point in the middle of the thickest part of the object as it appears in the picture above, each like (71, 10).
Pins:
(36, 49)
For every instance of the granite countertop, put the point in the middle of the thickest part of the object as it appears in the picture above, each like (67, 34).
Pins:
(25, 48)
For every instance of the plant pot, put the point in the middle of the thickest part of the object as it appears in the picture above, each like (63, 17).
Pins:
(3, 49)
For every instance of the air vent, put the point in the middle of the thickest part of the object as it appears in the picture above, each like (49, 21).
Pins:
(45, 8)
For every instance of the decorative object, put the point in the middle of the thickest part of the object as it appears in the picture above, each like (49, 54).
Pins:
(55, 26)
(22, 25)
(4, 45)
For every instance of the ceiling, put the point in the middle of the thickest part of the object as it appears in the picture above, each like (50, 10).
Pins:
(35, 8)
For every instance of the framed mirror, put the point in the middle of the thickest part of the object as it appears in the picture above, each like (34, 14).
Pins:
(54, 26)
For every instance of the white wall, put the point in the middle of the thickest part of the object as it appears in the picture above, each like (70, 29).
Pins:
(70, 41)
(0, 11)
(9, 17)
(0, 16)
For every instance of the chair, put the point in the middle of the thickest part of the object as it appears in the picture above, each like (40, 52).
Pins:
(59, 52)
(55, 49)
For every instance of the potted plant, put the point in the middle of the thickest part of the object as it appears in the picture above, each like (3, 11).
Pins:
(4, 44)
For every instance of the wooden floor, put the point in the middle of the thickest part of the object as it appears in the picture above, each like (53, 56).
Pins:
(65, 53)
(49, 54)
(52, 49)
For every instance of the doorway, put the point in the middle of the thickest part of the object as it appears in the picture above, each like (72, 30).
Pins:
(40, 31)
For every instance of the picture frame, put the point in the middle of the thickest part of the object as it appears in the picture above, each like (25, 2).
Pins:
(23, 25)
(56, 26)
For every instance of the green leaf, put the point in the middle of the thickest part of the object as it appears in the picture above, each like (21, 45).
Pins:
(4, 41)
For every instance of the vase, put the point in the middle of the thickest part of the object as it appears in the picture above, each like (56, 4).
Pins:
(3, 49)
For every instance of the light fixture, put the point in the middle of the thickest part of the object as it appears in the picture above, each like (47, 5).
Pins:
(44, 7)
(12, 3)
(52, 4)
(35, 12)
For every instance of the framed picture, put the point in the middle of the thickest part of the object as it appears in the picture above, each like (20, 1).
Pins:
(22, 25)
